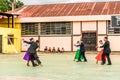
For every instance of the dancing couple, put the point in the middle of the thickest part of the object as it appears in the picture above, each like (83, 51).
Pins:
(31, 54)
(80, 52)
(105, 52)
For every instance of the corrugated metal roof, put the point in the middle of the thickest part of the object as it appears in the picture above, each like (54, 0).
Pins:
(70, 9)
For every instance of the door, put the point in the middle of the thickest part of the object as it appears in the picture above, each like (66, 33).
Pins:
(0, 43)
(89, 38)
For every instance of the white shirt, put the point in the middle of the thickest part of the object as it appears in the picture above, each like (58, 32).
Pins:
(25, 44)
(78, 47)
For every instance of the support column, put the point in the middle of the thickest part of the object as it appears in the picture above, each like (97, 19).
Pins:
(12, 21)
(72, 37)
(8, 22)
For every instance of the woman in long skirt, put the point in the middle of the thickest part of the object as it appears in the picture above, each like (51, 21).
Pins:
(77, 52)
(27, 54)
(27, 57)
(99, 56)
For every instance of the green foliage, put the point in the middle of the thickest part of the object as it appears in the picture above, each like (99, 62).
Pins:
(6, 5)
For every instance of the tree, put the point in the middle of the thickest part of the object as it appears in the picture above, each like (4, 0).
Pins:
(6, 5)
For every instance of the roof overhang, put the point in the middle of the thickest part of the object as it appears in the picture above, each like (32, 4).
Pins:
(5, 14)
(65, 18)
(8, 14)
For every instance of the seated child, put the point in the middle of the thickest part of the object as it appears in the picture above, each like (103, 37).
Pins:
(58, 50)
(45, 49)
(53, 50)
(49, 50)
(62, 50)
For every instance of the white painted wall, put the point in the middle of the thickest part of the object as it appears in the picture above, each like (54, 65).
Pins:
(89, 26)
(115, 42)
(101, 27)
(56, 42)
(76, 28)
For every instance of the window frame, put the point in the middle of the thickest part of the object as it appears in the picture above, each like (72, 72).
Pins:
(53, 32)
(109, 27)
(10, 37)
(29, 27)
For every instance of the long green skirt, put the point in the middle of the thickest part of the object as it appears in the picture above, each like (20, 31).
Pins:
(77, 55)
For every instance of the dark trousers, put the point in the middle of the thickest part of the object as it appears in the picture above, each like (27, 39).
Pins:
(37, 58)
(108, 58)
(82, 53)
(38, 61)
(32, 59)
(33, 56)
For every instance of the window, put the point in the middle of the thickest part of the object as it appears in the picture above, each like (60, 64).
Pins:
(52, 28)
(113, 30)
(10, 39)
(29, 28)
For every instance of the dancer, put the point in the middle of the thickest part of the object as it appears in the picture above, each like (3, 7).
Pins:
(106, 51)
(99, 56)
(77, 52)
(82, 50)
(33, 53)
(27, 54)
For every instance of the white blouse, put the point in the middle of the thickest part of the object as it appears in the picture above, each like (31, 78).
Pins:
(78, 47)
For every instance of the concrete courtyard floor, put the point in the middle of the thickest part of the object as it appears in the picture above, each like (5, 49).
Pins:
(58, 67)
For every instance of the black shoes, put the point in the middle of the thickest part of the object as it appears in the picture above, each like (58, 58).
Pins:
(35, 65)
(79, 61)
(102, 63)
(85, 61)
(109, 64)
(28, 64)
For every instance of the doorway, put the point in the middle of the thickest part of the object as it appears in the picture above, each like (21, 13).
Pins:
(90, 40)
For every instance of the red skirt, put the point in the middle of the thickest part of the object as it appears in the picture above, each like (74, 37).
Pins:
(99, 56)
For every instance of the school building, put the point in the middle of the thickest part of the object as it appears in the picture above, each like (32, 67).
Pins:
(62, 25)
(10, 34)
